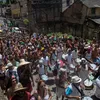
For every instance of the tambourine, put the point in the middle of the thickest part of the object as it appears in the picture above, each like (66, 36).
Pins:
(88, 84)
(87, 98)
(93, 67)
(44, 77)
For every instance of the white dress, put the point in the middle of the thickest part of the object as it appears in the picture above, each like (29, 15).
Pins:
(46, 97)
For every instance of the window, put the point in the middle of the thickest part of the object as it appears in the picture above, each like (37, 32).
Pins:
(93, 10)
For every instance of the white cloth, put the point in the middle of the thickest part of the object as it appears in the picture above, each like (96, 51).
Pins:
(97, 93)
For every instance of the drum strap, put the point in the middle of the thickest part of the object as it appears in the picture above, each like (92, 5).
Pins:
(80, 91)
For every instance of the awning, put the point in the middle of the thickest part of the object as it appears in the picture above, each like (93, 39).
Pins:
(97, 21)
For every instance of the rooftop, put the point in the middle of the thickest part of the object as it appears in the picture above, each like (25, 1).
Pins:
(91, 3)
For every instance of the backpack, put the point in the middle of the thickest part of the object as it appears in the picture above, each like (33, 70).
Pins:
(68, 90)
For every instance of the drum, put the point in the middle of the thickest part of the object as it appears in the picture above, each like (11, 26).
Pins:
(87, 98)
(93, 67)
(72, 68)
(88, 84)
(44, 77)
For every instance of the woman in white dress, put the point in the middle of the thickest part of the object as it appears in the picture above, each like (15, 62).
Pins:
(44, 91)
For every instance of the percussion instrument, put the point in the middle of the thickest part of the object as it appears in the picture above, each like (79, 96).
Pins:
(72, 68)
(88, 84)
(93, 67)
(87, 98)
(44, 77)
(91, 77)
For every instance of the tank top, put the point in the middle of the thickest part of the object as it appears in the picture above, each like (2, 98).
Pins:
(46, 97)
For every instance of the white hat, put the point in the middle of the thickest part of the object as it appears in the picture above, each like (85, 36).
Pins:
(41, 61)
(72, 66)
(64, 56)
(30, 44)
(87, 46)
(23, 62)
(76, 79)
(62, 69)
(83, 59)
(32, 47)
(93, 67)
(58, 61)
(78, 60)
(9, 65)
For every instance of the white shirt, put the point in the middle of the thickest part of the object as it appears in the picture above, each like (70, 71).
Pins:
(88, 56)
(74, 54)
(45, 60)
(41, 69)
(69, 58)
(0, 57)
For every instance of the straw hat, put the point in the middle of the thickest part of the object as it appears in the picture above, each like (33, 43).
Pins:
(9, 65)
(23, 62)
(76, 79)
(19, 87)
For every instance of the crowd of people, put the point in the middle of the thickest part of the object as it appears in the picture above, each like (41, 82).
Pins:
(61, 58)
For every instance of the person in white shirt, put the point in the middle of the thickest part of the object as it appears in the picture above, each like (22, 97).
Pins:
(40, 68)
(46, 62)
(75, 86)
(69, 57)
(88, 54)
(74, 56)
(11, 71)
(75, 53)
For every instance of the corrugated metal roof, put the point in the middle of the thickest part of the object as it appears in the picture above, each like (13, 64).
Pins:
(91, 3)
(96, 20)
